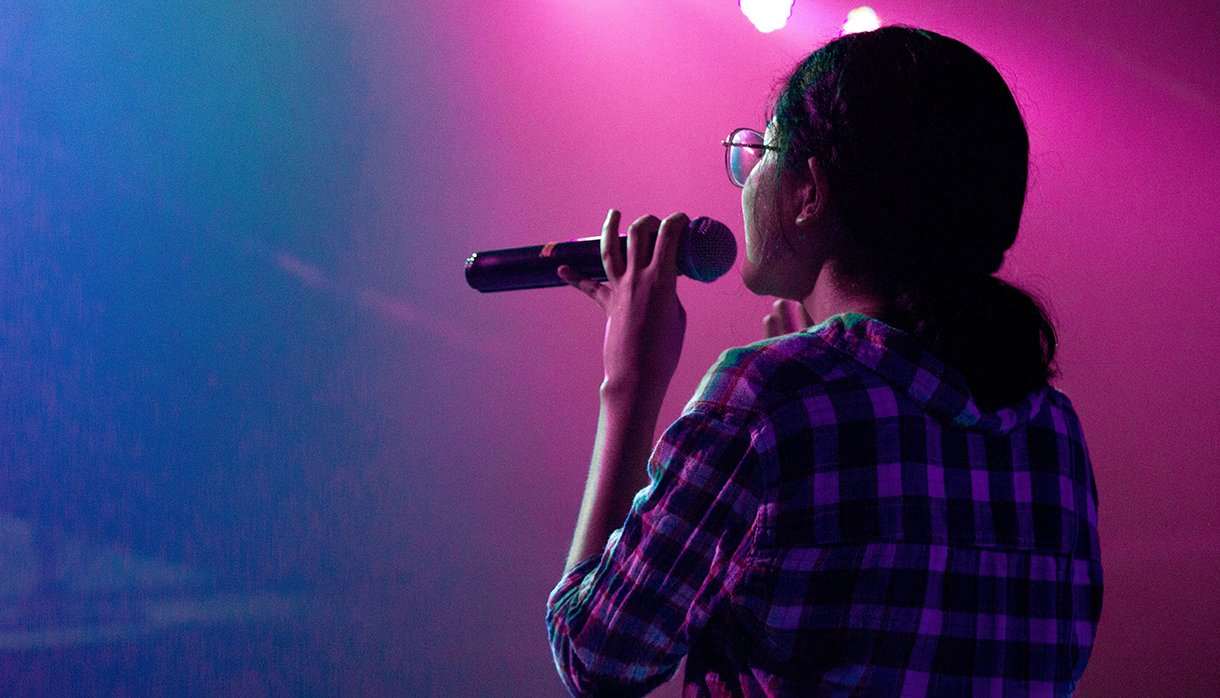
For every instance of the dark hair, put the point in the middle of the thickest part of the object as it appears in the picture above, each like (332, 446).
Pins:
(926, 157)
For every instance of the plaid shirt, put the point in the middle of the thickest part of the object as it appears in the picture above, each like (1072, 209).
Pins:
(832, 514)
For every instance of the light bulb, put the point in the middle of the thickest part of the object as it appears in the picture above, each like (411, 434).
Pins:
(767, 15)
(861, 19)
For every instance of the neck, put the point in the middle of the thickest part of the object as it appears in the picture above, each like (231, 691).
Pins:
(832, 294)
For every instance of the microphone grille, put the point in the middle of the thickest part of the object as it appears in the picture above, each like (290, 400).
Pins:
(707, 250)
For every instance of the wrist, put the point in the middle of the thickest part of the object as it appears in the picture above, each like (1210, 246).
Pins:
(630, 412)
(628, 395)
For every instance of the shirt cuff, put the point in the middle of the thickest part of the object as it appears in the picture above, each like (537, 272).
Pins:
(561, 597)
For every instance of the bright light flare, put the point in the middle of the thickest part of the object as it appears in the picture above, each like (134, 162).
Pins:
(861, 19)
(767, 15)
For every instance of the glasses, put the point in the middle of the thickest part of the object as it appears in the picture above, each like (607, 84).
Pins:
(744, 148)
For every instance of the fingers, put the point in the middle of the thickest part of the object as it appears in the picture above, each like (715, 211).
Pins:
(612, 250)
(665, 256)
(651, 242)
(786, 316)
(805, 318)
(771, 326)
(793, 315)
(592, 288)
(641, 237)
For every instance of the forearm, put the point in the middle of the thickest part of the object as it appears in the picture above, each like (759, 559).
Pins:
(618, 470)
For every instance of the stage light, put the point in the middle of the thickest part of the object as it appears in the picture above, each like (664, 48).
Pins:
(861, 19)
(767, 15)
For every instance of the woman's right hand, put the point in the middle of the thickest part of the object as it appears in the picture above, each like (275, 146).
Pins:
(785, 317)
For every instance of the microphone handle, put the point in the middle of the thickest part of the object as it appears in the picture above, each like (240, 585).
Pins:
(517, 268)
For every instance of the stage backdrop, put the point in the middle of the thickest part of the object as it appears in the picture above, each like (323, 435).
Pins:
(258, 437)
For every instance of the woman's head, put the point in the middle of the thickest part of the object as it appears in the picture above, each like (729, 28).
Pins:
(905, 157)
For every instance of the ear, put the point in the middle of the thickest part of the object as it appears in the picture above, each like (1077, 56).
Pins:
(814, 196)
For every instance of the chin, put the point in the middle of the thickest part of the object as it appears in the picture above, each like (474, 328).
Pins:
(755, 281)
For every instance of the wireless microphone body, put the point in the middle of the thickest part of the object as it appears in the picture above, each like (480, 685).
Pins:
(706, 251)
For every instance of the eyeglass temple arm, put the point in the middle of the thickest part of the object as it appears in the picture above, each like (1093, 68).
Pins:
(749, 145)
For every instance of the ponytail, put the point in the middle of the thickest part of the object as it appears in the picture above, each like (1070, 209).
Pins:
(996, 334)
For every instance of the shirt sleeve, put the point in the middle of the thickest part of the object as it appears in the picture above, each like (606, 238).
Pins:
(620, 622)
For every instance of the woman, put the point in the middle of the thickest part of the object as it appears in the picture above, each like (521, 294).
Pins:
(893, 501)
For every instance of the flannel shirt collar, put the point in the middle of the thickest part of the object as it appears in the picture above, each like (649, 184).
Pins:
(902, 361)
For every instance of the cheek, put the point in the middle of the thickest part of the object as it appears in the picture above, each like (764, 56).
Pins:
(747, 215)
(747, 199)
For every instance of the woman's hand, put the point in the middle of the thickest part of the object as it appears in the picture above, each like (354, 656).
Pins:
(785, 317)
(645, 321)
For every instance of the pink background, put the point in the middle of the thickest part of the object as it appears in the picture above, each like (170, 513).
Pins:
(236, 307)
(557, 112)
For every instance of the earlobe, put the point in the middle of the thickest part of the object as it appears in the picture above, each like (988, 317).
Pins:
(813, 194)
(808, 213)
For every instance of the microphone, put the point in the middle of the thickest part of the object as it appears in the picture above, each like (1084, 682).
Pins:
(706, 250)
